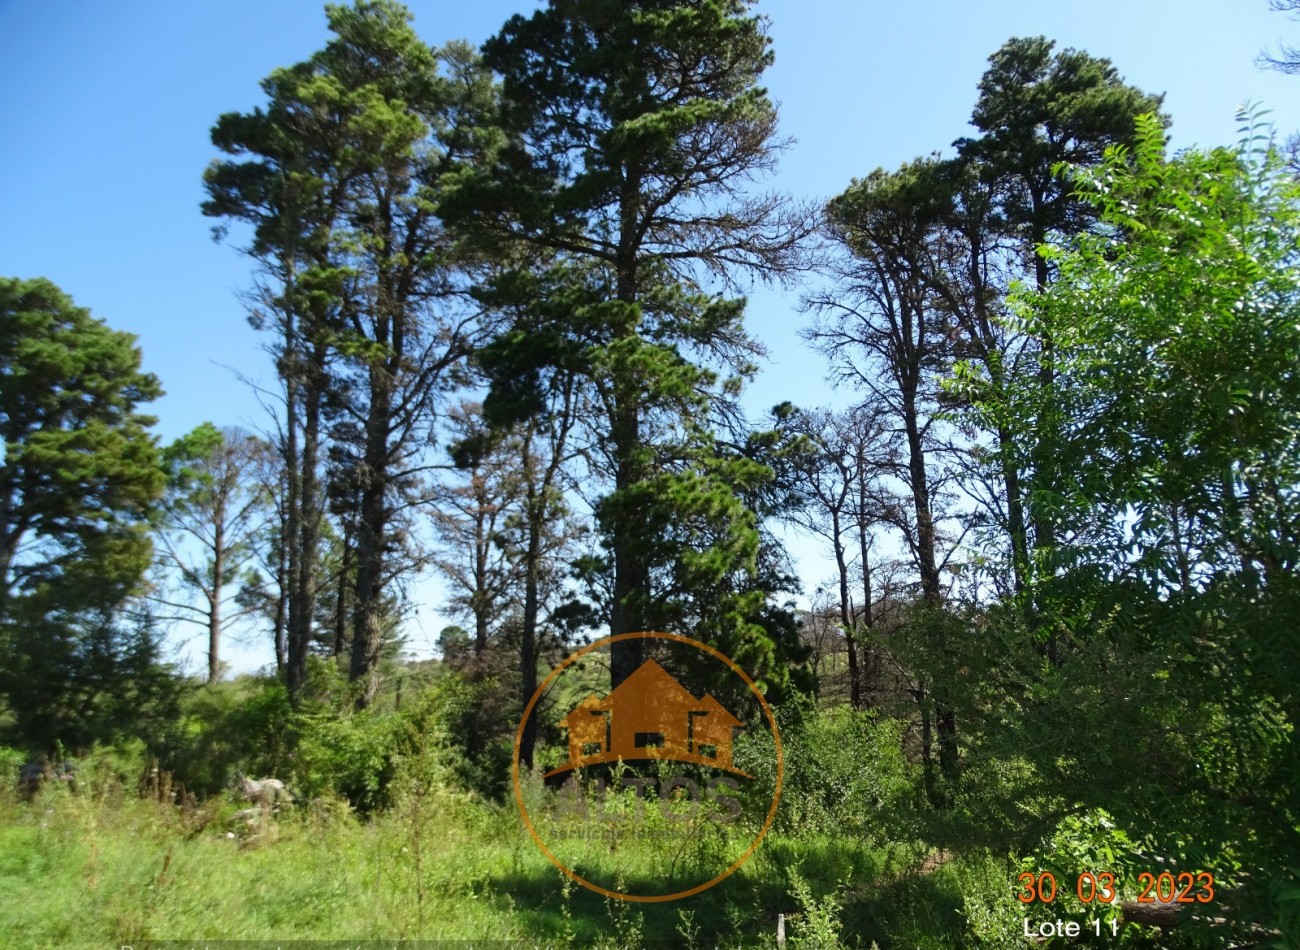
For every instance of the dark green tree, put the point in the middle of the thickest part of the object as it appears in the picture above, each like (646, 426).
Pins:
(639, 130)
(78, 482)
(1039, 111)
(81, 471)
(345, 172)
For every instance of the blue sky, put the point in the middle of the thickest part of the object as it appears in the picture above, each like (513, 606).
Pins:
(107, 106)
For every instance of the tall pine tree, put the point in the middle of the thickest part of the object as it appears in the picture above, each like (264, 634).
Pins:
(639, 130)
(341, 176)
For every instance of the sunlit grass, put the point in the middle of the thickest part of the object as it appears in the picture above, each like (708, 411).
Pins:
(105, 869)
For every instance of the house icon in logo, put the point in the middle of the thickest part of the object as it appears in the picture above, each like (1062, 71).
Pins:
(650, 716)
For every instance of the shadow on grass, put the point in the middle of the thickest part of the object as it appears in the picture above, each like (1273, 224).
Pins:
(885, 901)
(913, 911)
(879, 904)
(738, 910)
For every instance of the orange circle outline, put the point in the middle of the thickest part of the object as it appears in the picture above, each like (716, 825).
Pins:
(619, 895)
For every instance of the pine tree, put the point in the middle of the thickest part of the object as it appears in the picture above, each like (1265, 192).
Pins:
(78, 483)
(638, 130)
(343, 177)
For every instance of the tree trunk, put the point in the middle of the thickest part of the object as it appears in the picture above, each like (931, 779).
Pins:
(928, 777)
(1015, 514)
(342, 590)
(631, 579)
(282, 589)
(9, 535)
(846, 614)
(528, 638)
(293, 366)
(302, 606)
(945, 720)
(214, 602)
(926, 561)
(372, 525)
(868, 620)
(631, 574)
(481, 603)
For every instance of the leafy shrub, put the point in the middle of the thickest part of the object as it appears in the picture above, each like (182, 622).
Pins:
(245, 724)
(11, 760)
(817, 925)
(353, 755)
(845, 771)
(993, 915)
(440, 735)
(116, 770)
(470, 722)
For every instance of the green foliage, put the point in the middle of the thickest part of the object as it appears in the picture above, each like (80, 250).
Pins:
(635, 198)
(246, 724)
(80, 469)
(639, 88)
(442, 733)
(79, 476)
(817, 926)
(473, 722)
(82, 678)
(845, 772)
(1172, 423)
(993, 916)
(1177, 334)
(353, 755)
(327, 748)
(11, 760)
(182, 459)
(1039, 110)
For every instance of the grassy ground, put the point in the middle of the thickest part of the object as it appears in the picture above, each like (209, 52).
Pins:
(105, 868)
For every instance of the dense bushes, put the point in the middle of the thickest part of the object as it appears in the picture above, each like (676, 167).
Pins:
(83, 680)
(11, 760)
(844, 770)
(326, 748)
(246, 724)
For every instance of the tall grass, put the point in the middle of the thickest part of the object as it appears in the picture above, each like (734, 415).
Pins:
(410, 854)
(105, 866)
